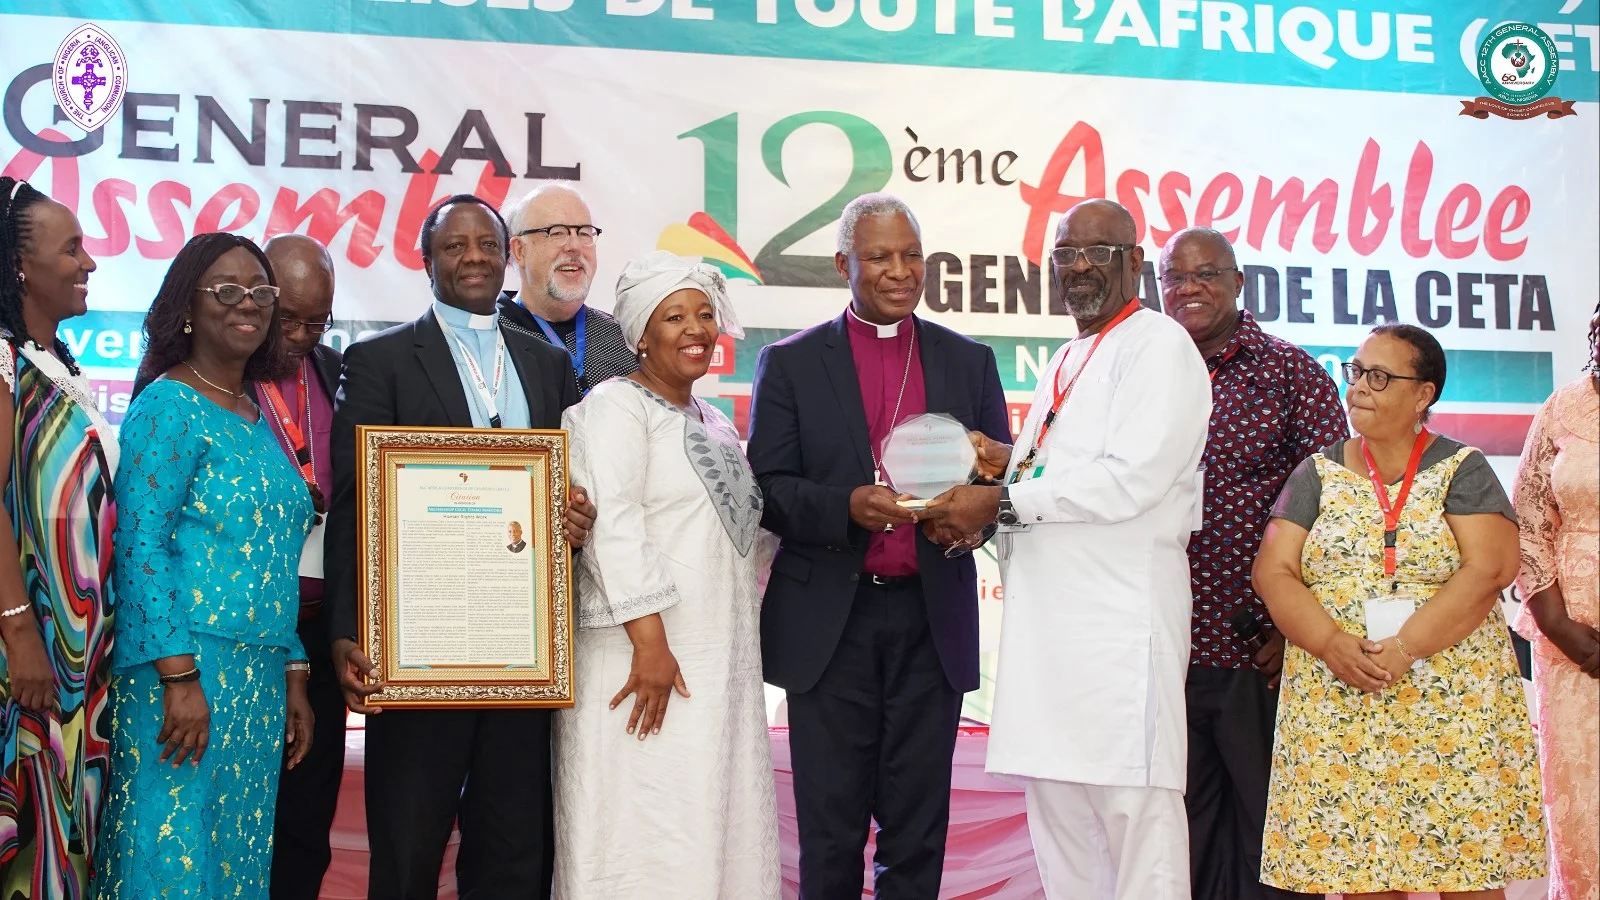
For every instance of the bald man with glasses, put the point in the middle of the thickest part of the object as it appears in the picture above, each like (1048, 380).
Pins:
(299, 410)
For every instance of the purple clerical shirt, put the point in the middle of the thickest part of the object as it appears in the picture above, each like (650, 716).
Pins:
(321, 416)
(888, 380)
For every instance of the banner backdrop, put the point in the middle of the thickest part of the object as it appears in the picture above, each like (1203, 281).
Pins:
(1328, 141)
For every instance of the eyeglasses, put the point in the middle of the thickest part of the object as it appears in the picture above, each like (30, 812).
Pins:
(587, 234)
(1203, 278)
(231, 294)
(290, 326)
(1378, 379)
(1098, 255)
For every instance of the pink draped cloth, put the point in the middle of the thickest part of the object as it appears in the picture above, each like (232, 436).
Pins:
(989, 855)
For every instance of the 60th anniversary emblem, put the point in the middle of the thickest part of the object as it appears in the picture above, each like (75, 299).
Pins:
(90, 76)
(1518, 65)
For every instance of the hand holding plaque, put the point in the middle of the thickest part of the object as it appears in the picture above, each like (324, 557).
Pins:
(926, 455)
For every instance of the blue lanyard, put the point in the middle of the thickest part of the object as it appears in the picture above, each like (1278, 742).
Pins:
(583, 330)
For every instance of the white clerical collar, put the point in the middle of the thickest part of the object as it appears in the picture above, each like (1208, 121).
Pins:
(884, 331)
(460, 318)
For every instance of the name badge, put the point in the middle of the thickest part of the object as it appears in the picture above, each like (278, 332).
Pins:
(1385, 618)
(311, 551)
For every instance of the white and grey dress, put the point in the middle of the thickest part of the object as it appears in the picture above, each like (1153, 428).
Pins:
(690, 812)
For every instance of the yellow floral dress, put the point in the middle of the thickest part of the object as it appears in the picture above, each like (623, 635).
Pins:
(1430, 785)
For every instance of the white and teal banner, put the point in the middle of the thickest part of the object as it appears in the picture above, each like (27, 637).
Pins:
(1336, 143)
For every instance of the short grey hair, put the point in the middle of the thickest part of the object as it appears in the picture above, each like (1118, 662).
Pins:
(514, 210)
(870, 205)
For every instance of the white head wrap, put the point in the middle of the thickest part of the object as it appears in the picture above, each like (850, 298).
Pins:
(651, 278)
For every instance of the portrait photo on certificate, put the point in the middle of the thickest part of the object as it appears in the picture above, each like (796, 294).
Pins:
(465, 588)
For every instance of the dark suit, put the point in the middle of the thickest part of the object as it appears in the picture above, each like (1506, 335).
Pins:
(874, 675)
(427, 768)
(309, 793)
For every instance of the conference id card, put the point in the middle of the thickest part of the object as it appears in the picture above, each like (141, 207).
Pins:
(311, 551)
(1385, 618)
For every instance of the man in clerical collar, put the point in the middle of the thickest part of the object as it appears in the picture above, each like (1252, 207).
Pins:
(553, 238)
(488, 769)
(1097, 508)
(299, 410)
(1272, 406)
(869, 625)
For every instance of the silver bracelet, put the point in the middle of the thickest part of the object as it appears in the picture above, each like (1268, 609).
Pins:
(16, 610)
(297, 665)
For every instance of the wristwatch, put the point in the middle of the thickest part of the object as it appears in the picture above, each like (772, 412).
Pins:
(1008, 513)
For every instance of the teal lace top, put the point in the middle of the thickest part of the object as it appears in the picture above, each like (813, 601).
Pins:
(211, 518)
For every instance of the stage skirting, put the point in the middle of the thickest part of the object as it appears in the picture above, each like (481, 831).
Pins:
(989, 855)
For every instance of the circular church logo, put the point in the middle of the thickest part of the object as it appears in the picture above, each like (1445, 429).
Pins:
(90, 76)
(1517, 63)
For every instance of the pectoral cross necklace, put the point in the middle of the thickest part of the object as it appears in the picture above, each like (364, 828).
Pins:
(905, 376)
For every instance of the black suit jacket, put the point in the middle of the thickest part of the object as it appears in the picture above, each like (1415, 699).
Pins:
(406, 376)
(809, 449)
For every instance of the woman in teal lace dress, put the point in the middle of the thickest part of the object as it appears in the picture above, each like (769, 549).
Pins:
(210, 674)
(55, 558)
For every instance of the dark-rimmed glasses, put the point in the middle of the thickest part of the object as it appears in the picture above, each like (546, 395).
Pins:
(1097, 255)
(587, 234)
(1205, 278)
(231, 294)
(290, 326)
(1377, 379)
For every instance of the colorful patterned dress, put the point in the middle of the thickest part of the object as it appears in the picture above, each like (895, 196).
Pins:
(1432, 784)
(1559, 513)
(208, 547)
(60, 502)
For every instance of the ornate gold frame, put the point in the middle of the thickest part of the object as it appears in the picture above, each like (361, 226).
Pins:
(380, 453)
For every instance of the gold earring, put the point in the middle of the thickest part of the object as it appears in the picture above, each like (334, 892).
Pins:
(187, 328)
(642, 353)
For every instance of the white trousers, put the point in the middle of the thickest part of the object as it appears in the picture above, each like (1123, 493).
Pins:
(1109, 843)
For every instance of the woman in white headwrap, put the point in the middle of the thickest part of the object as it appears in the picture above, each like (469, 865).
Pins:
(652, 805)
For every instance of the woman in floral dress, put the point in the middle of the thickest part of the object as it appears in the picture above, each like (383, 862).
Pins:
(1404, 763)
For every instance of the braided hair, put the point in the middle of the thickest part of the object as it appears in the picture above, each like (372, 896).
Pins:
(1593, 366)
(16, 236)
(167, 344)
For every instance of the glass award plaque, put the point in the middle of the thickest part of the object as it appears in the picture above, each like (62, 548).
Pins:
(926, 455)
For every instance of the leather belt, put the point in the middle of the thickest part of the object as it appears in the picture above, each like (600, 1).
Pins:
(892, 582)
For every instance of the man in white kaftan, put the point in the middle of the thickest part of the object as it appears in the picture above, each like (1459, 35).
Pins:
(1095, 518)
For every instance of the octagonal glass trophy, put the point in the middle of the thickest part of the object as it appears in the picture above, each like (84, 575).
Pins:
(926, 455)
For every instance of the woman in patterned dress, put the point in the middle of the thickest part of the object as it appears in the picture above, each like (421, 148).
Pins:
(650, 804)
(211, 678)
(1558, 508)
(1405, 763)
(55, 590)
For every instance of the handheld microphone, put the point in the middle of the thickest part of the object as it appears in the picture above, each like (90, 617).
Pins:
(1247, 629)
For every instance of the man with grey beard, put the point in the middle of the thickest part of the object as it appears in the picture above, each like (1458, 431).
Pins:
(553, 240)
(1095, 513)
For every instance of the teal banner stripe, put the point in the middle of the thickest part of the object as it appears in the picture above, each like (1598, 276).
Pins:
(112, 340)
(1475, 376)
(735, 31)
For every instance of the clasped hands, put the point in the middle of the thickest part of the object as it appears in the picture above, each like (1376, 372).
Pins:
(358, 677)
(1369, 666)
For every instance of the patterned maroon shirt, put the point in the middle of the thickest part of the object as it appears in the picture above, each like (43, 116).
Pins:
(1272, 406)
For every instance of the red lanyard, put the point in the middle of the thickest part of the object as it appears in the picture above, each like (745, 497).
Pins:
(1391, 511)
(287, 420)
(1222, 362)
(1062, 392)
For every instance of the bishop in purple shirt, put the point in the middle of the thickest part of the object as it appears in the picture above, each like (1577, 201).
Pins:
(299, 409)
(866, 623)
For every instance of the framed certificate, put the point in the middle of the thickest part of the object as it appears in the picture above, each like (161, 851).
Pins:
(465, 588)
